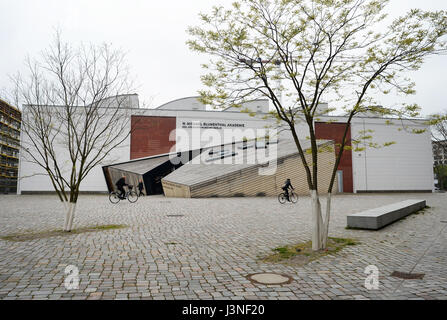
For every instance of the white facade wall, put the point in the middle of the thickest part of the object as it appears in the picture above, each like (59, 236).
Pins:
(33, 178)
(259, 106)
(121, 101)
(405, 166)
(194, 104)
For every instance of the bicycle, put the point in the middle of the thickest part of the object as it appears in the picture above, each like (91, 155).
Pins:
(130, 195)
(293, 197)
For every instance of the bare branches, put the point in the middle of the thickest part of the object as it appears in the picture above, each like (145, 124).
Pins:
(439, 132)
(75, 111)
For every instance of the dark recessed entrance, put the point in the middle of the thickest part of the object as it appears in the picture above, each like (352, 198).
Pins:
(148, 170)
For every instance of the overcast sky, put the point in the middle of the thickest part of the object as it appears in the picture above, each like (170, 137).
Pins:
(154, 34)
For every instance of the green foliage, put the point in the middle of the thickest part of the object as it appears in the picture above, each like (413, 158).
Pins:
(389, 122)
(249, 39)
(320, 49)
(387, 144)
(418, 131)
(29, 236)
(302, 253)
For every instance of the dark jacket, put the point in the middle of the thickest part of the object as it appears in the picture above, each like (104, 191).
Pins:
(121, 182)
(287, 185)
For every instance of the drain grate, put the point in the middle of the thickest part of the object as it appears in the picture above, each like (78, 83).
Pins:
(407, 276)
(443, 221)
(175, 215)
(269, 278)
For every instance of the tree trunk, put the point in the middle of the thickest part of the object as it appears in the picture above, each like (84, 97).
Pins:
(325, 232)
(316, 220)
(69, 216)
(70, 222)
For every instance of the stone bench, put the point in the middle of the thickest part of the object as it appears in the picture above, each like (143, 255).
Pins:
(377, 218)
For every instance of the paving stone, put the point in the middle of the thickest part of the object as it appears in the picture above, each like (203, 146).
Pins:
(218, 243)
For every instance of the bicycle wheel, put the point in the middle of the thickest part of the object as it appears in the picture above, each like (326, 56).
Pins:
(293, 197)
(282, 198)
(113, 197)
(132, 196)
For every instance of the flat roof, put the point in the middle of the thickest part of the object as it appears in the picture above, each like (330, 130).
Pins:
(9, 105)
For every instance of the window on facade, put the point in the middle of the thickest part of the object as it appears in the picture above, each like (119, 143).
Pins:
(220, 154)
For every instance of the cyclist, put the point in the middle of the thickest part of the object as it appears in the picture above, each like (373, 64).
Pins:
(286, 187)
(120, 186)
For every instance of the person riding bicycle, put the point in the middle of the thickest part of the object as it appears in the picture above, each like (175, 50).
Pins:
(120, 186)
(286, 187)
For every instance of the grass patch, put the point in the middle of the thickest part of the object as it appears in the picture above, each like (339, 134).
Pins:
(302, 253)
(56, 233)
(108, 227)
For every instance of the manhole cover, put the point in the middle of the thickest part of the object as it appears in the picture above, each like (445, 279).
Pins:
(174, 215)
(270, 278)
(407, 276)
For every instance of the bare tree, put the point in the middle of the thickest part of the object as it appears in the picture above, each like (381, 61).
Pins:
(321, 51)
(439, 132)
(75, 112)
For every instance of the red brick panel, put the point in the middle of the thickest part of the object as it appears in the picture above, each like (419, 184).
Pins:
(335, 131)
(150, 135)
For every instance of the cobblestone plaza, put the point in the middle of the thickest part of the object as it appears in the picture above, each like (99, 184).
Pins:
(205, 249)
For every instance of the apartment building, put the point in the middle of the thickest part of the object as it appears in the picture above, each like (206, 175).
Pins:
(10, 121)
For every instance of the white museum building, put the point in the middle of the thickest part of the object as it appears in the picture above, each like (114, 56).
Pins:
(405, 166)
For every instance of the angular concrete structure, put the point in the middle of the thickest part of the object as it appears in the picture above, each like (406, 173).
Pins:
(378, 218)
(236, 171)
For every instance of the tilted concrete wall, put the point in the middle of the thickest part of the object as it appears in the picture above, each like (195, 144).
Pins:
(250, 183)
(175, 190)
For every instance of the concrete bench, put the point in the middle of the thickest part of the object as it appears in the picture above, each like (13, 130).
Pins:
(377, 218)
